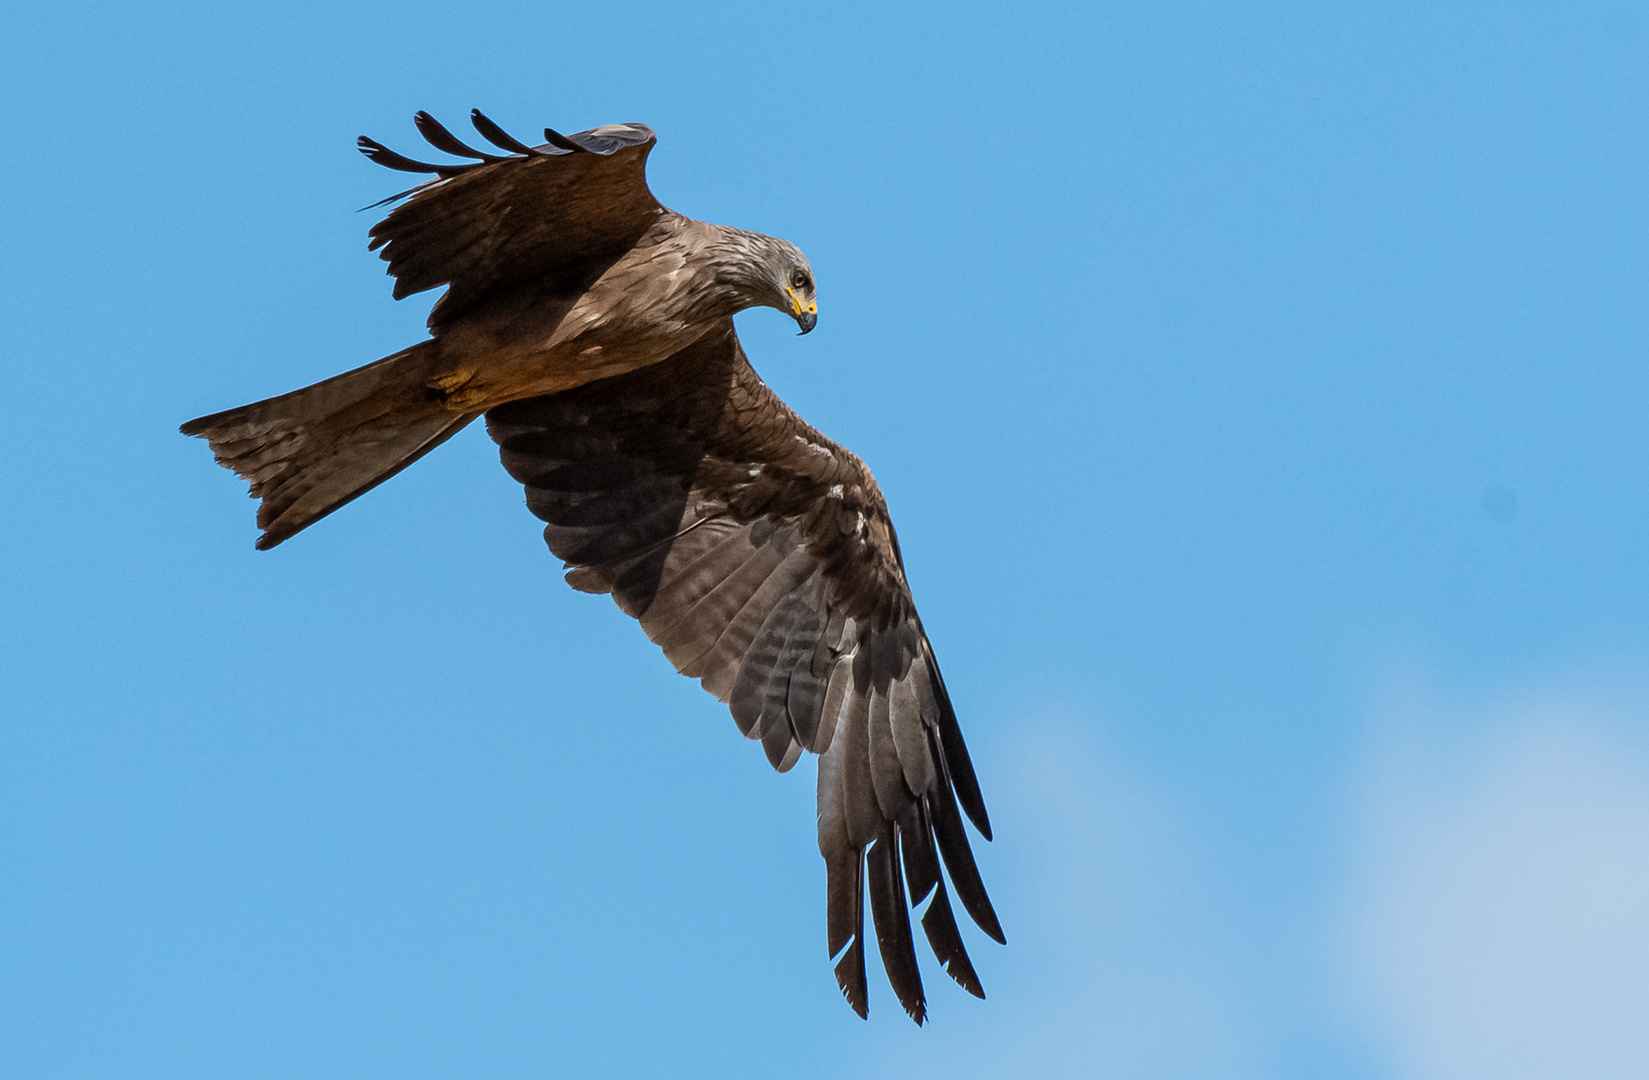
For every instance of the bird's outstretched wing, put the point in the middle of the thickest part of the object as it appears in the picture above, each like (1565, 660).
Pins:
(552, 216)
(759, 556)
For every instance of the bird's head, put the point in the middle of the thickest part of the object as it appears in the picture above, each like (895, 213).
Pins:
(801, 298)
(769, 272)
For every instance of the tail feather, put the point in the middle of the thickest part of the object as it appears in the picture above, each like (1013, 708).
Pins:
(311, 451)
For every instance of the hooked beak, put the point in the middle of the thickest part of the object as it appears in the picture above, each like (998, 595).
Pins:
(805, 312)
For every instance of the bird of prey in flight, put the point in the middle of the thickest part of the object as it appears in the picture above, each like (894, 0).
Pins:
(593, 328)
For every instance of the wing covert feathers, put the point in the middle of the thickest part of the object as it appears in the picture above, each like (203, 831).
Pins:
(758, 555)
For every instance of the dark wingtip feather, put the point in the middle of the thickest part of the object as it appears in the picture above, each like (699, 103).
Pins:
(890, 913)
(925, 881)
(850, 976)
(389, 159)
(946, 938)
(958, 764)
(952, 836)
(436, 134)
(560, 141)
(498, 136)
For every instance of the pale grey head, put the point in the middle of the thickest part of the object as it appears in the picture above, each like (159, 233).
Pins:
(764, 271)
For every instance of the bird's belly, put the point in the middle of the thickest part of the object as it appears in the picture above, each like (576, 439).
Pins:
(473, 372)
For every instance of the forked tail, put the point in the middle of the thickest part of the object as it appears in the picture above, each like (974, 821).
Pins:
(311, 451)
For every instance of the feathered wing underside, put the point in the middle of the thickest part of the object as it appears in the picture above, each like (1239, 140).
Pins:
(549, 217)
(759, 556)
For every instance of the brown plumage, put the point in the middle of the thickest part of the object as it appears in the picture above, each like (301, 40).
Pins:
(593, 328)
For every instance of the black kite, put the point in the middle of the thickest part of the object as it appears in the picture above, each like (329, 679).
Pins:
(593, 328)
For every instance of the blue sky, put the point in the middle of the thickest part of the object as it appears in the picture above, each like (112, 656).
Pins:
(1259, 391)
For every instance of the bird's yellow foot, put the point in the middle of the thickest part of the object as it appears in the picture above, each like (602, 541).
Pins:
(451, 381)
(451, 388)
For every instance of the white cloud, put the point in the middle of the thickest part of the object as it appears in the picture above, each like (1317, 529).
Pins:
(1499, 921)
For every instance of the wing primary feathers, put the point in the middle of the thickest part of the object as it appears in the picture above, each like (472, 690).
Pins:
(957, 762)
(844, 886)
(887, 781)
(939, 923)
(850, 968)
(916, 845)
(442, 139)
(389, 159)
(499, 137)
(560, 141)
(891, 914)
(863, 816)
(964, 872)
(908, 729)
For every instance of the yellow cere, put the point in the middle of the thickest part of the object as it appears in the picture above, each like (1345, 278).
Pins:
(798, 306)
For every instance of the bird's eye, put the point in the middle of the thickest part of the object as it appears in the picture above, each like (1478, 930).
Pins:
(798, 280)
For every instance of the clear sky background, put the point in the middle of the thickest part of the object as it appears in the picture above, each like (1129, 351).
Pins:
(1260, 393)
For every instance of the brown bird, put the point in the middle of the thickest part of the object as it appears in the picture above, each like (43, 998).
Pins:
(594, 329)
